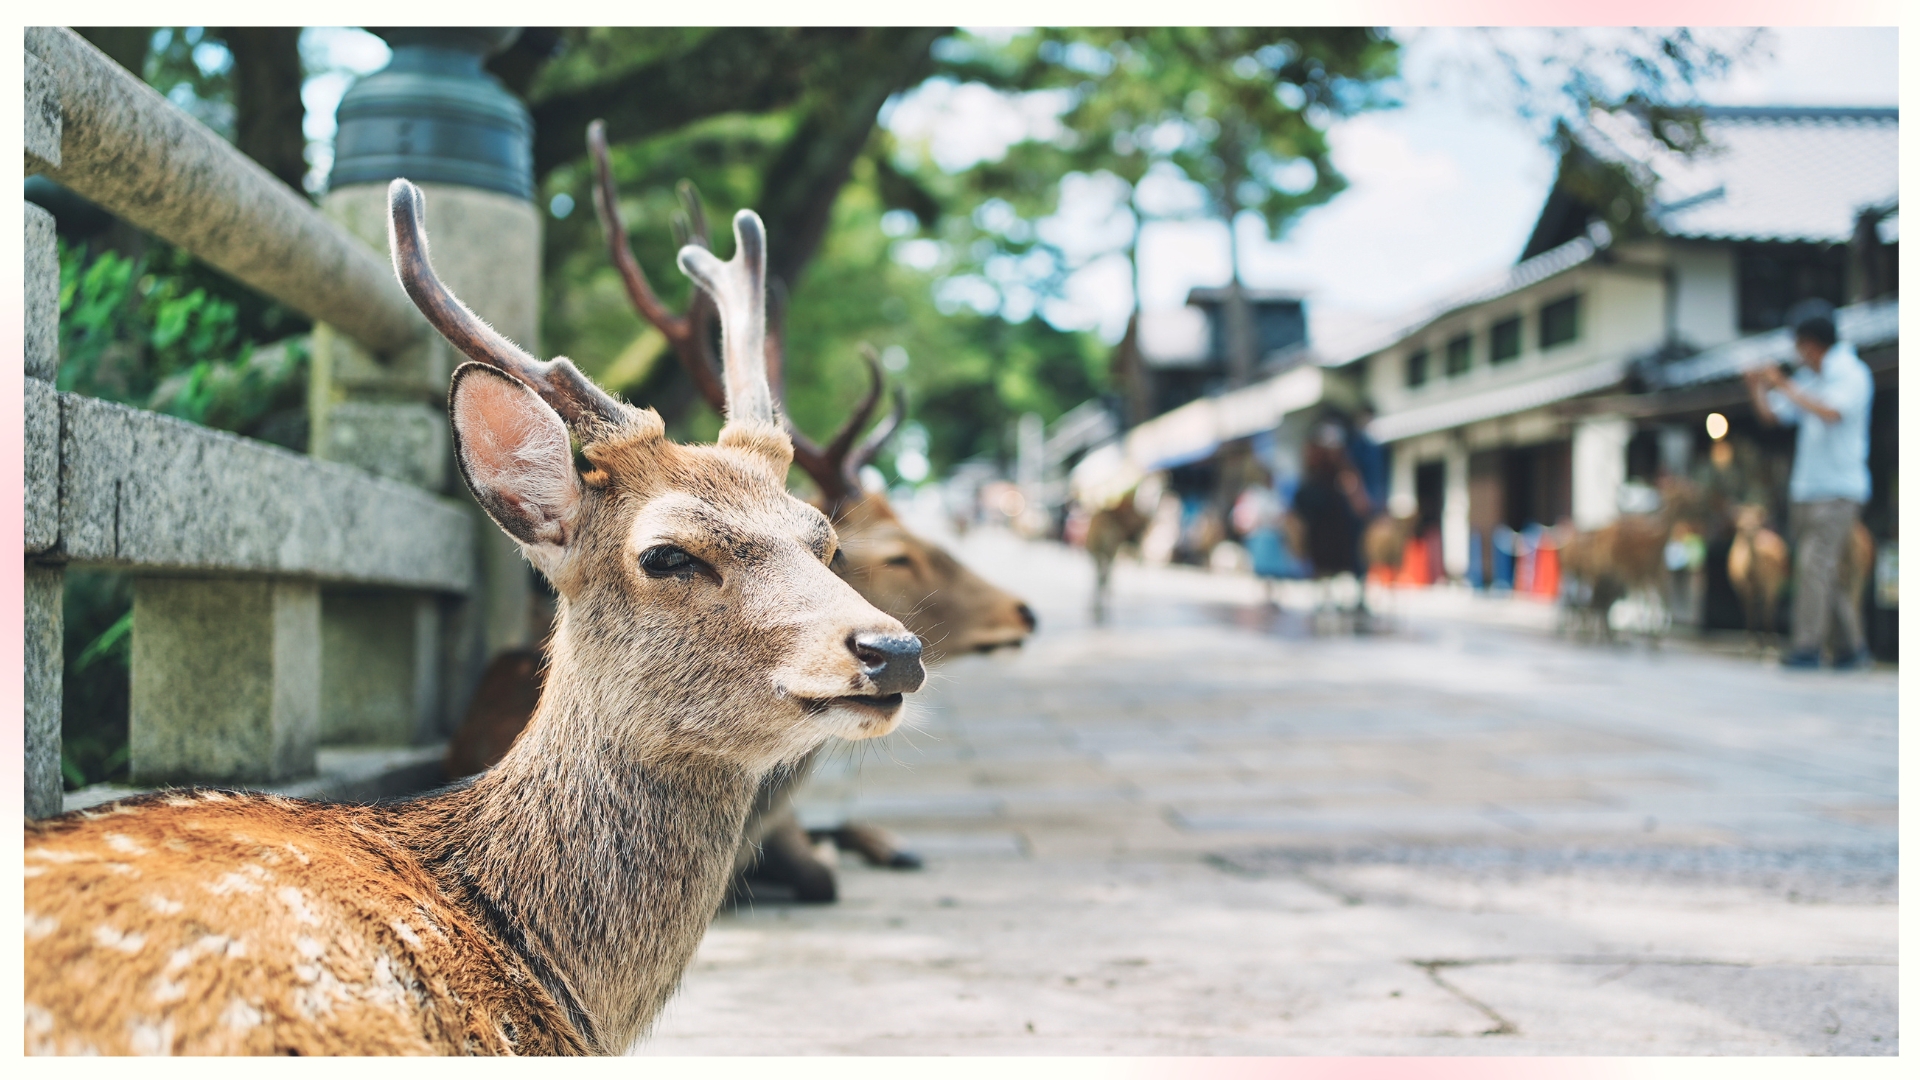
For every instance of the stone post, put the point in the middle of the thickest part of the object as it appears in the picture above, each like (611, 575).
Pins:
(434, 117)
(226, 680)
(373, 641)
(1456, 529)
(45, 579)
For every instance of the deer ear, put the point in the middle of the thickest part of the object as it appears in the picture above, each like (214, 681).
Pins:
(513, 452)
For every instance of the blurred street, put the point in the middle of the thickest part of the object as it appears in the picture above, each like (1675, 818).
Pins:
(1202, 829)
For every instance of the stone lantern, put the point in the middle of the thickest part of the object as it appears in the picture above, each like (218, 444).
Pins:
(435, 116)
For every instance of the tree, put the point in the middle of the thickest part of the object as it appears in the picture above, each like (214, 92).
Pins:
(1238, 113)
(269, 116)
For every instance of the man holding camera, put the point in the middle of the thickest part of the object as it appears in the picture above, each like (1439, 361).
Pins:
(1829, 399)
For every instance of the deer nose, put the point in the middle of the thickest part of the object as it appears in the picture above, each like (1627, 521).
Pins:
(1027, 616)
(892, 661)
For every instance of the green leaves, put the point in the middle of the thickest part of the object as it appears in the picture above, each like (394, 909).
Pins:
(161, 332)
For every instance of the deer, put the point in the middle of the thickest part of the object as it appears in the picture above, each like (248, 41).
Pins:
(1627, 557)
(551, 904)
(1757, 566)
(1111, 529)
(952, 609)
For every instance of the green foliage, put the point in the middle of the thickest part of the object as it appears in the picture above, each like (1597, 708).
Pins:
(164, 332)
(98, 614)
(969, 376)
(1241, 113)
(193, 68)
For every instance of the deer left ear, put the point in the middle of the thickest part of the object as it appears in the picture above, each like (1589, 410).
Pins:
(514, 454)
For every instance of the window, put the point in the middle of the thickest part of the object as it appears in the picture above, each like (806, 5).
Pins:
(1560, 322)
(1503, 344)
(1459, 355)
(1417, 368)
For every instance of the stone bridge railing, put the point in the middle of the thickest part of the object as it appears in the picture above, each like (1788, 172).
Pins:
(280, 602)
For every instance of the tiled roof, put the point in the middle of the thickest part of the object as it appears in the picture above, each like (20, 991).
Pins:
(1776, 173)
(1366, 341)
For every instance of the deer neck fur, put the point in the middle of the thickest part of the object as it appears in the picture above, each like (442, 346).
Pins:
(600, 865)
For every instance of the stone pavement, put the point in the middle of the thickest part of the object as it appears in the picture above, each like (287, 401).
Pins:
(1202, 829)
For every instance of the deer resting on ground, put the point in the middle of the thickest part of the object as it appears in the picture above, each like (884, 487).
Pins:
(952, 609)
(550, 905)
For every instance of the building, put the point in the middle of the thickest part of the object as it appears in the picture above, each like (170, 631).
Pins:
(1170, 357)
(1536, 397)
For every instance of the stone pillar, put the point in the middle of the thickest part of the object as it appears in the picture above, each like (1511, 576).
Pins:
(434, 117)
(45, 580)
(226, 680)
(1599, 468)
(1455, 527)
(371, 642)
(44, 664)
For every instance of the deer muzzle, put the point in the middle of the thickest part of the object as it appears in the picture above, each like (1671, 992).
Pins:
(891, 661)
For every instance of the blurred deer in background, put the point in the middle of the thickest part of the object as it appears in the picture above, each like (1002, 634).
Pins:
(953, 610)
(1757, 566)
(1626, 559)
(1111, 529)
(551, 904)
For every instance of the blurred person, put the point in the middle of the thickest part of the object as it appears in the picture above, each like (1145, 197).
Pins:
(1369, 461)
(1369, 458)
(1829, 399)
(1257, 518)
(1330, 505)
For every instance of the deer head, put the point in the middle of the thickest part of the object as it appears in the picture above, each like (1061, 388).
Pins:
(689, 579)
(952, 609)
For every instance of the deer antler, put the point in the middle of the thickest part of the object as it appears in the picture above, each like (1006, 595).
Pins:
(685, 334)
(739, 290)
(827, 466)
(583, 405)
(876, 439)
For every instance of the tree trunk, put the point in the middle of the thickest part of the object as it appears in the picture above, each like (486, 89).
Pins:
(124, 45)
(268, 113)
(1241, 343)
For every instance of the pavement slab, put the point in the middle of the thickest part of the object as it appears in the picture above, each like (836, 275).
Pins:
(1202, 828)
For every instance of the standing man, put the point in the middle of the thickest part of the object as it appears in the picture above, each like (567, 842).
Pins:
(1829, 399)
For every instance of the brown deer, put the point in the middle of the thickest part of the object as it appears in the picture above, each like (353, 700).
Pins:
(1626, 558)
(1757, 566)
(552, 904)
(952, 609)
(1110, 530)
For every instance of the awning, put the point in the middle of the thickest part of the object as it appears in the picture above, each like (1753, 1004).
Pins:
(1502, 402)
(1192, 432)
(1195, 429)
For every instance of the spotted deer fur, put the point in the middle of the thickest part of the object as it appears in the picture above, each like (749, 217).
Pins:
(551, 904)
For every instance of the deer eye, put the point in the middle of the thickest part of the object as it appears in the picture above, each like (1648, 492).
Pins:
(665, 560)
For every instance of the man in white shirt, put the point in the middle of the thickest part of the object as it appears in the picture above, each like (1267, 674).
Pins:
(1829, 399)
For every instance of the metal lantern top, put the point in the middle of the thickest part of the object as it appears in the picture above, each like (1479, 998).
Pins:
(435, 115)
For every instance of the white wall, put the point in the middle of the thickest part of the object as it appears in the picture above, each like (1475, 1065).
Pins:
(1599, 468)
(1706, 294)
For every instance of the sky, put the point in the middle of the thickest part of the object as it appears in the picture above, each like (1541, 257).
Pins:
(1442, 190)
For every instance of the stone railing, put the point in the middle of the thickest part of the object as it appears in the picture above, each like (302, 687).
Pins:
(280, 602)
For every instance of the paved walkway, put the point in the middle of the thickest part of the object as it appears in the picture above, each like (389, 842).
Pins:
(1204, 830)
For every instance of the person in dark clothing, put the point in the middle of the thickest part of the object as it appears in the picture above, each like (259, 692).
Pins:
(1328, 505)
(1369, 459)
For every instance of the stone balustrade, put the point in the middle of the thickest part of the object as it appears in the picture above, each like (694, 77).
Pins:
(281, 602)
